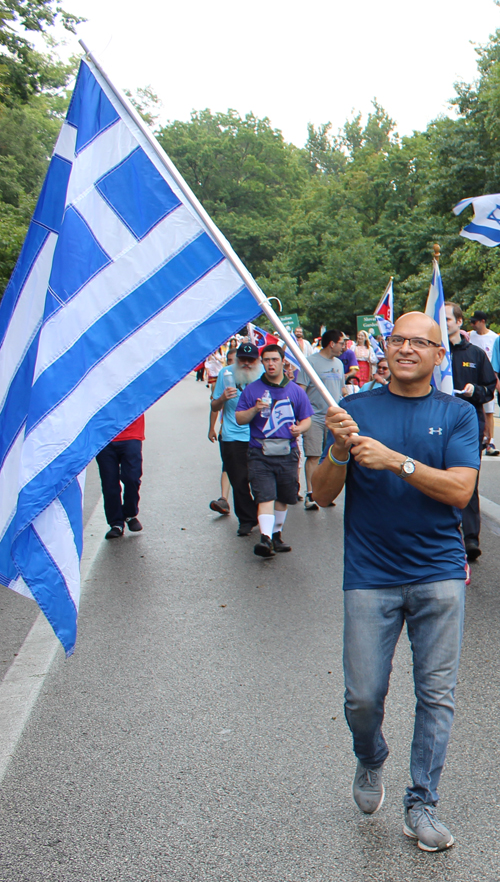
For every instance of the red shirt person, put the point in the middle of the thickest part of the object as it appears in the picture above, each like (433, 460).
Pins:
(120, 463)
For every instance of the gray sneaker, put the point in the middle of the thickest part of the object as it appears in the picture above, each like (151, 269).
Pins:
(367, 789)
(421, 822)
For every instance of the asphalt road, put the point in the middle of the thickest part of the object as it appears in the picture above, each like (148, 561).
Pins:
(198, 732)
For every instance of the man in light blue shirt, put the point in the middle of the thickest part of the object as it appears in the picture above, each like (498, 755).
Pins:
(235, 438)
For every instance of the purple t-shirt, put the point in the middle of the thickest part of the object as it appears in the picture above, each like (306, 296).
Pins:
(290, 404)
(348, 359)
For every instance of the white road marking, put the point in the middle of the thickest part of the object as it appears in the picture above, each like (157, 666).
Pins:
(24, 679)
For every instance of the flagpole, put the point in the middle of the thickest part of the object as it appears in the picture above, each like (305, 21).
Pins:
(215, 233)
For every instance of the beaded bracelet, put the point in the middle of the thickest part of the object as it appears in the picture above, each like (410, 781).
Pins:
(337, 462)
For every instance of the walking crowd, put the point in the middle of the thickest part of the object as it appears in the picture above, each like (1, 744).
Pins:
(408, 457)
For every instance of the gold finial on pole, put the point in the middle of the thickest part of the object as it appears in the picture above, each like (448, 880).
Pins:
(437, 252)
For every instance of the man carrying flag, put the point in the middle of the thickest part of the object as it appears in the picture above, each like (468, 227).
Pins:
(408, 457)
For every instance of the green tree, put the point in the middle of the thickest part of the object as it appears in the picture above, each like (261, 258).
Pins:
(244, 174)
(23, 70)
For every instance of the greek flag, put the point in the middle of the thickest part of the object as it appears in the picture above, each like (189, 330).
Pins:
(442, 377)
(118, 293)
(485, 226)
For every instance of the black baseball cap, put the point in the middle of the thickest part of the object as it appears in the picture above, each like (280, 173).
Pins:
(247, 350)
(479, 316)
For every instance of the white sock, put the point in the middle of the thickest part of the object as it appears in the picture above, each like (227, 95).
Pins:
(266, 524)
(279, 520)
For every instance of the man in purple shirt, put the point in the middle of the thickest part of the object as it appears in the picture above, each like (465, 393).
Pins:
(278, 411)
(349, 360)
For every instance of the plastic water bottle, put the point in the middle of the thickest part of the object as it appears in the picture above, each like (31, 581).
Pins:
(228, 380)
(267, 399)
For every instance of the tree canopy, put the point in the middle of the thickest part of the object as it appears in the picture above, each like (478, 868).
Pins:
(321, 227)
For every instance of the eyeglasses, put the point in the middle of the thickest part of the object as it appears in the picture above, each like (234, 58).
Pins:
(383, 368)
(415, 342)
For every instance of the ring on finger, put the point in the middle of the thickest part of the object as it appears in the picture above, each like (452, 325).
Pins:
(342, 425)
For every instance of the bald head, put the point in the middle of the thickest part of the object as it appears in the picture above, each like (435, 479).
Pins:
(418, 324)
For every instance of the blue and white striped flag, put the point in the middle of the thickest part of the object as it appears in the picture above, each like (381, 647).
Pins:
(379, 352)
(442, 377)
(485, 225)
(118, 293)
(385, 327)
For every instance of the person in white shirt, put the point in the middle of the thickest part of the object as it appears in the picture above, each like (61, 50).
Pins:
(485, 338)
(303, 343)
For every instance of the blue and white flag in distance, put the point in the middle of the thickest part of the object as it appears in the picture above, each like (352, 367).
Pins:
(379, 352)
(385, 327)
(118, 293)
(485, 225)
(442, 376)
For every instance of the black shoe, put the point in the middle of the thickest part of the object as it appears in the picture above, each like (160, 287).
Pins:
(278, 544)
(472, 549)
(134, 525)
(114, 533)
(220, 505)
(264, 548)
(245, 529)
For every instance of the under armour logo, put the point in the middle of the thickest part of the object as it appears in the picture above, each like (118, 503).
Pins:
(435, 431)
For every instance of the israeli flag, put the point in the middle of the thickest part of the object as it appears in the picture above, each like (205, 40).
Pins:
(290, 356)
(119, 291)
(379, 352)
(442, 377)
(281, 415)
(385, 327)
(485, 226)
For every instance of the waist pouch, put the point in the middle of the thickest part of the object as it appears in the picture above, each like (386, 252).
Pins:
(275, 446)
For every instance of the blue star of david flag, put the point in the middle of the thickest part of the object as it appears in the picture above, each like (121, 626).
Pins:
(119, 291)
(442, 377)
(485, 226)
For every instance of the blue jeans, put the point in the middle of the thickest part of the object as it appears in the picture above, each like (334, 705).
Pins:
(374, 618)
(120, 462)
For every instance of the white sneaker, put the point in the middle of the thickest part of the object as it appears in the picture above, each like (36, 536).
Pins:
(309, 503)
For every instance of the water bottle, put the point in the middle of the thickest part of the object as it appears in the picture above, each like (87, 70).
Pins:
(267, 399)
(228, 380)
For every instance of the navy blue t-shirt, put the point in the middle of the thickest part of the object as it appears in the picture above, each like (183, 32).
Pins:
(395, 534)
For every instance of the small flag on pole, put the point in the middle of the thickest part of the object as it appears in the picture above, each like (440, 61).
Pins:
(442, 376)
(121, 288)
(485, 225)
(385, 306)
(259, 337)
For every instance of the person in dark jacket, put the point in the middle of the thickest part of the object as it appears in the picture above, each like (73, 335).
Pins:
(474, 380)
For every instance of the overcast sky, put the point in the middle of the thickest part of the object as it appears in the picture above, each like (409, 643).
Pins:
(295, 63)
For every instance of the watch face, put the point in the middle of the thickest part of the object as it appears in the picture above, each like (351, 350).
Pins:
(408, 467)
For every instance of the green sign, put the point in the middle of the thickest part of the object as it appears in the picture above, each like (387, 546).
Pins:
(368, 323)
(290, 321)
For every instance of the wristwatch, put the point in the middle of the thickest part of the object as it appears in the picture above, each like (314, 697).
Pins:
(407, 467)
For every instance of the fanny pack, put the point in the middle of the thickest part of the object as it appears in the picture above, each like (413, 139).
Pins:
(275, 446)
